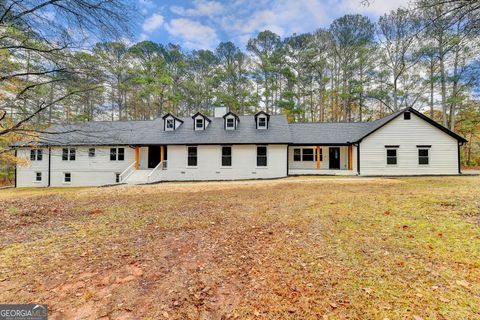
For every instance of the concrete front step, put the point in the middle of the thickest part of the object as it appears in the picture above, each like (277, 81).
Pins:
(138, 177)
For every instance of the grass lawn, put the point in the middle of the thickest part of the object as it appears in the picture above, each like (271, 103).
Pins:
(405, 248)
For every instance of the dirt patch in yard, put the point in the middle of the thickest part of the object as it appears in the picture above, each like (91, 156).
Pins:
(382, 248)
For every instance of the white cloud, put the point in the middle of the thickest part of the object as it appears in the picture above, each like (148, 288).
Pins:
(193, 34)
(200, 8)
(153, 22)
(283, 17)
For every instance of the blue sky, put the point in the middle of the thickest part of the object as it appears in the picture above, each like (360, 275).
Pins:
(202, 24)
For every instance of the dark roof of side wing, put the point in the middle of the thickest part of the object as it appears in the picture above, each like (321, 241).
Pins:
(351, 132)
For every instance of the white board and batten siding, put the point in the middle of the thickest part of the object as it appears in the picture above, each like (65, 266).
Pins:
(85, 171)
(209, 163)
(408, 134)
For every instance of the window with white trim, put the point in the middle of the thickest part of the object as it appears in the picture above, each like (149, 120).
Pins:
(192, 156)
(91, 152)
(261, 156)
(36, 154)
(67, 177)
(69, 154)
(392, 155)
(230, 123)
(262, 122)
(423, 156)
(38, 176)
(170, 124)
(199, 123)
(117, 154)
(306, 154)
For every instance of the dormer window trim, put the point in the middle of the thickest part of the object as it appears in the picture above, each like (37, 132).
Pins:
(204, 121)
(230, 116)
(262, 120)
(168, 118)
(170, 124)
(230, 123)
(199, 123)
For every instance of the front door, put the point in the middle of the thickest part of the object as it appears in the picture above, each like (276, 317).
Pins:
(334, 158)
(153, 156)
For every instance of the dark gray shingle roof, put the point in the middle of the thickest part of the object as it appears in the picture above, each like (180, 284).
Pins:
(279, 131)
(151, 132)
(335, 132)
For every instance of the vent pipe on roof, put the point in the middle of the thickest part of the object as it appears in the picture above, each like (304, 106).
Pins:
(220, 111)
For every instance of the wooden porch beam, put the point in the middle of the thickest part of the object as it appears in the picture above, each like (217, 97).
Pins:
(137, 156)
(350, 157)
(162, 153)
(318, 157)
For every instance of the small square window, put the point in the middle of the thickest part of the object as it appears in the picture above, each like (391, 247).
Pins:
(91, 152)
(68, 154)
(407, 115)
(67, 177)
(36, 154)
(38, 176)
(308, 154)
(170, 123)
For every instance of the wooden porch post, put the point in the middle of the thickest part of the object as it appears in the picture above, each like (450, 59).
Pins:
(318, 157)
(350, 153)
(162, 153)
(137, 154)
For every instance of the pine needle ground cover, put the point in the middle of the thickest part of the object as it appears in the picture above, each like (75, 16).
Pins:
(406, 248)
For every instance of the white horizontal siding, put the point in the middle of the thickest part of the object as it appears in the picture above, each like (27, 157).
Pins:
(244, 159)
(26, 173)
(408, 134)
(85, 170)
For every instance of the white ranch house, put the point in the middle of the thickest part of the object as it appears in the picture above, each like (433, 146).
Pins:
(231, 147)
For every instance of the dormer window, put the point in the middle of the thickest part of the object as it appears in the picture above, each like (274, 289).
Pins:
(262, 123)
(170, 122)
(200, 122)
(231, 121)
(261, 120)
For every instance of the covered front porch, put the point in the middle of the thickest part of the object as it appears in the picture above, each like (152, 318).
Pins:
(322, 160)
(150, 161)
